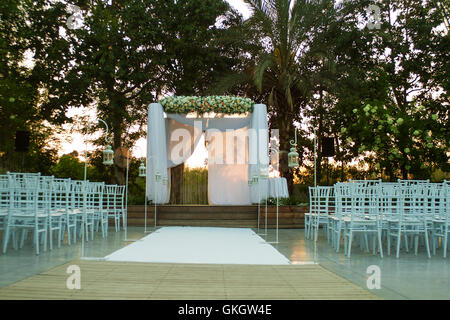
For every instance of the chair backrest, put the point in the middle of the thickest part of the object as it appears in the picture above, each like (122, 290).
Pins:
(414, 200)
(109, 197)
(319, 199)
(413, 182)
(343, 200)
(60, 197)
(4, 194)
(94, 195)
(389, 199)
(77, 194)
(24, 196)
(366, 182)
(120, 198)
(363, 201)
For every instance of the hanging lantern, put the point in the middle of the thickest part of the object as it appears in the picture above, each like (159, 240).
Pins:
(108, 156)
(293, 155)
(142, 170)
(293, 158)
(264, 173)
(158, 176)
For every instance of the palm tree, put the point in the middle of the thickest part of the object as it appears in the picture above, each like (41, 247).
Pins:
(285, 28)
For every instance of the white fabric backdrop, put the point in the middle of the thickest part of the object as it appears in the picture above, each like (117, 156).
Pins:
(258, 151)
(227, 167)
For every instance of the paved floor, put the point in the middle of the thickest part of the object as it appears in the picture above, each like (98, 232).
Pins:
(409, 277)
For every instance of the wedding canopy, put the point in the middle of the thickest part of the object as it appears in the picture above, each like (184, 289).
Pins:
(237, 151)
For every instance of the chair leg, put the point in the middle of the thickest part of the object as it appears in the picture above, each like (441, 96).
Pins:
(444, 245)
(388, 236)
(380, 244)
(399, 238)
(350, 238)
(23, 237)
(416, 243)
(36, 240)
(6, 238)
(50, 232)
(406, 241)
(427, 244)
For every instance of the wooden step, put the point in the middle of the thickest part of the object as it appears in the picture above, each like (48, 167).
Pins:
(217, 216)
(207, 223)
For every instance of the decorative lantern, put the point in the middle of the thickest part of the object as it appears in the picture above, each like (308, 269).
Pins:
(293, 155)
(142, 170)
(158, 176)
(255, 179)
(293, 158)
(108, 156)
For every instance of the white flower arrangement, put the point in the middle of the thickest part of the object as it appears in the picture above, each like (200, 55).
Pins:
(201, 105)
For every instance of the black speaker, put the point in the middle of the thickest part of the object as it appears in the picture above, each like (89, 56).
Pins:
(22, 141)
(328, 147)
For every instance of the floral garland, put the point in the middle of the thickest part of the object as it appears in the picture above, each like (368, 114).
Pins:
(201, 105)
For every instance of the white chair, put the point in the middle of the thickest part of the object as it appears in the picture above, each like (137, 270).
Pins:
(412, 216)
(364, 218)
(51, 205)
(78, 208)
(25, 210)
(319, 211)
(61, 203)
(110, 205)
(441, 219)
(4, 200)
(94, 206)
(343, 203)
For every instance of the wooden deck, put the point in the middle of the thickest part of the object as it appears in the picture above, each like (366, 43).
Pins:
(217, 216)
(121, 280)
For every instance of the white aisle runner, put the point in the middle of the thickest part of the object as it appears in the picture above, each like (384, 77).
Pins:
(201, 245)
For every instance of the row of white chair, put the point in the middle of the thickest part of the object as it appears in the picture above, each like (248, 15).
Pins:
(407, 209)
(52, 207)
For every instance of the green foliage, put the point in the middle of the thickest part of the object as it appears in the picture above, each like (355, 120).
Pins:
(410, 141)
(69, 166)
(22, 32)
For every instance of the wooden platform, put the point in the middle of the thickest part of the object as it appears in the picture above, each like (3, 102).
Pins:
(217, 216)
(116, 281)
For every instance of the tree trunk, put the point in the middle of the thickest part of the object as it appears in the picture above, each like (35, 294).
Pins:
(119, 173)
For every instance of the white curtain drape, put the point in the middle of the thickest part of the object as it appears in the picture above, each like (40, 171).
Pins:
(157, 191)
(258, 152)
(182, 139)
